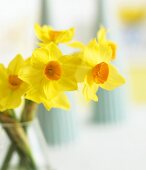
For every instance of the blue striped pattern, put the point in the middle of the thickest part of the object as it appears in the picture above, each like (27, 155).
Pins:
(59, 126)
(110, 107)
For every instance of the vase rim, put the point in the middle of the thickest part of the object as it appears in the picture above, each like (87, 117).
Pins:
(23, 124)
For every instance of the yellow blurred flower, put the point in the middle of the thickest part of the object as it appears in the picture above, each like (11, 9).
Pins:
(132, 15)
(47, 34)
(49, 74)
(100, 72)
(12, 87)
(90, 54)
(95, 68)
(102, 40)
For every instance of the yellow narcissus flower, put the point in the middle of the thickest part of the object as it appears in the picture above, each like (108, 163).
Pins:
(47, 34)
(12, 87)
(100, 72)
(49, 74)
(88, 54)
(102, 41)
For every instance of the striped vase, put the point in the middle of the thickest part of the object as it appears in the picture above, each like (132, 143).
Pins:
(59, 126)
(110, 107)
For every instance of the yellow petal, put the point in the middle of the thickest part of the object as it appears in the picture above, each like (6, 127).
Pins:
(2, 108)
(11, 98)
(32, 94)
(65, 36)
(67, 83)
(90, 90)
(101, 35)
(15, 65)
(60, 101)
(31, 75)
(105, 53)
(72, 61)
(93, 44)
(3, 73)
(38, 31)
(114, 79)
(54, 51)
(47, 34)
(95, 53)
(82, 68)
(10, 95)
(91, 53)
(42, 33)
(69, 66)
(108, 48)
(73, 65)
(50, 89)
(113, 47)
(40, 57)
(76, 44)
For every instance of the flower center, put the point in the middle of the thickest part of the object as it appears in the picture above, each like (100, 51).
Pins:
(14, 81)
(53, 70)
(100, 73)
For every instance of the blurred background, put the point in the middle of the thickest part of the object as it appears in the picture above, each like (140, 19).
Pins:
(110, 134)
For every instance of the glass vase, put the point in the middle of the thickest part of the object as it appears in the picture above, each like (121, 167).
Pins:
(23, 147)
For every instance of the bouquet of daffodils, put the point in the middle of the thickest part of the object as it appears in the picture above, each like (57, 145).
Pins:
(47, 74)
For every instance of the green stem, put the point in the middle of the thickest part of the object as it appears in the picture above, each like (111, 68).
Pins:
(7, 159)
(18, 137)
(29, 111)
(28, 114)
